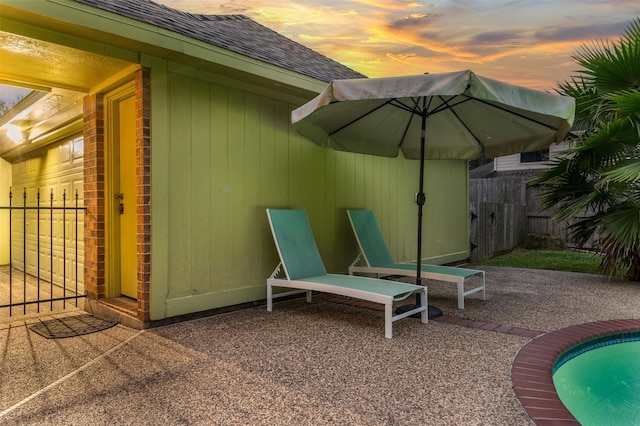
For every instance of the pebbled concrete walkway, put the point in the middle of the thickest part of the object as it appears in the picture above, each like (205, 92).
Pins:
(323, 363)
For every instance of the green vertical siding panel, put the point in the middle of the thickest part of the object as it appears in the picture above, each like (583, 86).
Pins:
(394, 208)
(434, 186)
(408, 185)
(265, 175)
(280, 165)
(329, 211)
(180, 257)
(359, 170)
(267, 179)
(308, 195)
(276, 132)
(220, 190)
(294, 184)
(160, 178)
(316, 198)
(342, 231)
(200, 187)
(350, 179)
(381, 202)
(251, 251)
(367, 181)
(238, 188)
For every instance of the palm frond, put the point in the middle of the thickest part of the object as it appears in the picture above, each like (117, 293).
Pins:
(610, 143)
(596, 184)
(625, 103)
(625, 172)
(611, 67)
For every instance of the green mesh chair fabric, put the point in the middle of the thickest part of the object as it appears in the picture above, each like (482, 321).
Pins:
(373, 245)
(295, 243)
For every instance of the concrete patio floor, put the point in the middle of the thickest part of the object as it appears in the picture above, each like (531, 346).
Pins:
(305, 364)
(16, 288)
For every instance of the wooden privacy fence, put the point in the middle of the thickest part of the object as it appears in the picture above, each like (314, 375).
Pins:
(504, 210)
(496, 228)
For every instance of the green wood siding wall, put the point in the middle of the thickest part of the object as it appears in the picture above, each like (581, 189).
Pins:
(221, 155)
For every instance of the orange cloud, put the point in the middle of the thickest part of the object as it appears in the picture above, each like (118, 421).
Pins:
(527, 43)
(390, 5)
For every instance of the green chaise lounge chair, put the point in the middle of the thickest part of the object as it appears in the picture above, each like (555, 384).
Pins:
(377, 257)
(304, 271)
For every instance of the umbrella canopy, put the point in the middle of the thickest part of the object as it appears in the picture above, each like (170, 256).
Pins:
(458, 115)
(467, 115)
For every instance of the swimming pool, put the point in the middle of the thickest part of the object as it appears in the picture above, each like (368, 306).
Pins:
(599, 380)
(533, 366)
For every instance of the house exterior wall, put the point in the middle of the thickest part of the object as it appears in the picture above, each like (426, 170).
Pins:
(221, 154)
(512, 162)
(214, 150)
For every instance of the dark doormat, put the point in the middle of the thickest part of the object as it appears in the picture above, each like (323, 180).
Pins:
(71, 326)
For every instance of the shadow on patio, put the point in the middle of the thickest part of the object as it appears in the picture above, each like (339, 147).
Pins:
(319, 363)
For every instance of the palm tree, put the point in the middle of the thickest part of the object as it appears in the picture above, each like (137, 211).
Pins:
(601, 174)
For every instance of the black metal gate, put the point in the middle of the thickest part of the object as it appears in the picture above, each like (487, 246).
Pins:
(54, 247)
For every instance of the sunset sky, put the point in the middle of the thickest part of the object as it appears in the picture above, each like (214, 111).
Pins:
(524, 42)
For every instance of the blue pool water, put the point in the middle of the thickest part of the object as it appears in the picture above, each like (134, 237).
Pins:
(599, 381)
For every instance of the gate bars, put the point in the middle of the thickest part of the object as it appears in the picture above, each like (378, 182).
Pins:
(40, 281)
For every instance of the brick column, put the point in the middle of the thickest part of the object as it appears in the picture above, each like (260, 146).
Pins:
(143, 189)
(94, 233)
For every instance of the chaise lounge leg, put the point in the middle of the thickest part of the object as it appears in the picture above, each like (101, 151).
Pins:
(388, 321)
(424, 315)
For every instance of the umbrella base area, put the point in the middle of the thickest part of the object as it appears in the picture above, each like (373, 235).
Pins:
(433, 311)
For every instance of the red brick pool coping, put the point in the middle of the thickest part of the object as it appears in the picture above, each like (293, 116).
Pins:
(531, 370)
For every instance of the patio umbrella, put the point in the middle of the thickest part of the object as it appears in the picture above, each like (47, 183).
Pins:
(457, 115)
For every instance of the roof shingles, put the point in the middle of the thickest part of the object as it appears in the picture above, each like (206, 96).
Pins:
(236, 33)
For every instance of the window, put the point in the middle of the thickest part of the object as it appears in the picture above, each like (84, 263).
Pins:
(534, 157)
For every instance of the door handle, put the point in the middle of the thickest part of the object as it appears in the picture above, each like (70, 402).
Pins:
(120, 197)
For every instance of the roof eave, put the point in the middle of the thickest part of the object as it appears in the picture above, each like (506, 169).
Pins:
(95, 25)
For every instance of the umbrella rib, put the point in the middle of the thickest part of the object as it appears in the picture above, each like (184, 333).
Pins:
(361, 117)
(453, 111)
(445, 105)
(414, 111)
(548, 126)
(398, 104)
(406, 130)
